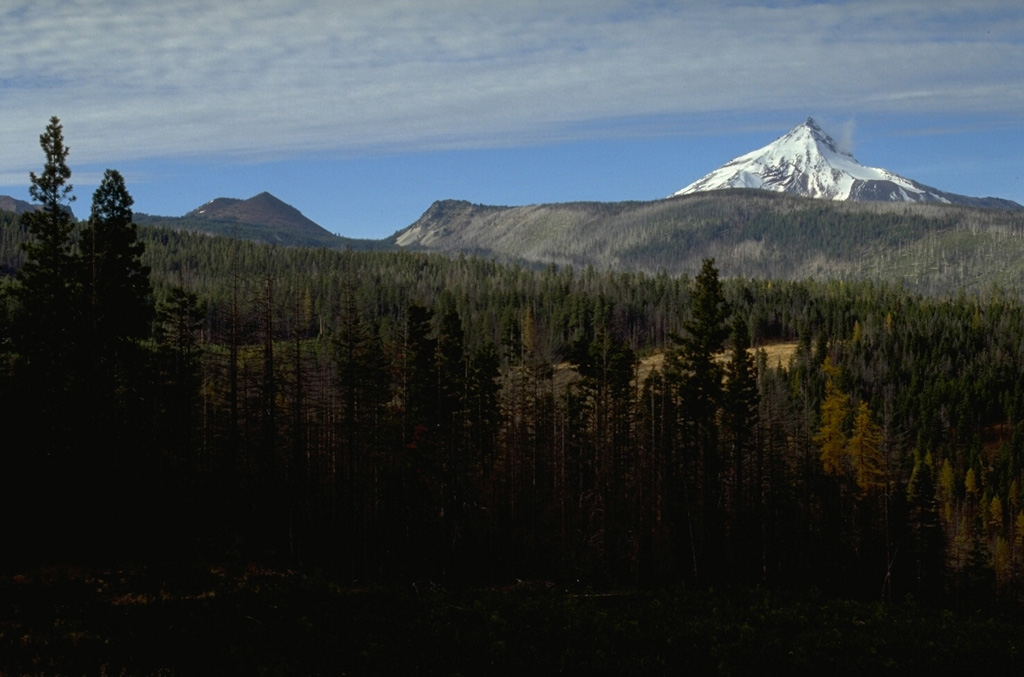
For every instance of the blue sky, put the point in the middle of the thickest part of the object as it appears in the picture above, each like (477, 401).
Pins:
(361, 113)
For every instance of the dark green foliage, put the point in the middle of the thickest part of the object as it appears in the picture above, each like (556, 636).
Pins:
(46, 326)
(46, 377)
(179, 322)
(742, 451)
(185, 620)
(704, 335)
(81, 307)
(692, 368)
(420, 380)
(117, 315)
(118, 295)
(926, 541)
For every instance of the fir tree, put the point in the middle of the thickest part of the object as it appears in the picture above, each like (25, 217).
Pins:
(47, 359)
(692, 364)
(117, 309)
(117, 285)
(46, 324)
(740, 419)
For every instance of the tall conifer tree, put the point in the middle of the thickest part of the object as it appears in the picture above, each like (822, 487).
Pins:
(47, 285)
(740, 418)
(117, 312)
(700, 395)
(117, 283)
(46, 333)
(47, 361)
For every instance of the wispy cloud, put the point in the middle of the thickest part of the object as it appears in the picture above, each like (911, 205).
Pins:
(264, 78)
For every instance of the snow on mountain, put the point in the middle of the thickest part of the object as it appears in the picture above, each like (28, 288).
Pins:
(806, 161)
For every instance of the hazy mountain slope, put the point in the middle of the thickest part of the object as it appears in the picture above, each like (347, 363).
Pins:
(263, 209)
(808, 162)
(16, 206)
(749, 232)
(263, 218)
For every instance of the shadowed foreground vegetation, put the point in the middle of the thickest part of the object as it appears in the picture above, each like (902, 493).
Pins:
(234, 622)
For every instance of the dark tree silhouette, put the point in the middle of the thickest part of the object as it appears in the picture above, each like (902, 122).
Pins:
(47, 366)
(699, 377)
(46, 337)
(118, 293)
(46, 334)
(117, 308)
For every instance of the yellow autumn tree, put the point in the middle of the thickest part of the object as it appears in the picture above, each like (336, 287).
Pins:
(858, 453)
(995, 514)
(831, 437)
(946, 490)
(865, 450)
(971, 483)
(1018, 528)
(1002, 563)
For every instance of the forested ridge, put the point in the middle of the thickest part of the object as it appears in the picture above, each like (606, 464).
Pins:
(933, 249)
(261, 228)
(395, 416)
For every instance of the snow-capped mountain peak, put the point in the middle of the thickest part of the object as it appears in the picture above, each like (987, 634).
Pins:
(807, 161)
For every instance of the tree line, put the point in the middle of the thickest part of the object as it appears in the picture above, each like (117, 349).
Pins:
(397, 416)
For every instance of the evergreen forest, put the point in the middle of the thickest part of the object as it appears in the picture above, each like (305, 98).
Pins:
(398, 418)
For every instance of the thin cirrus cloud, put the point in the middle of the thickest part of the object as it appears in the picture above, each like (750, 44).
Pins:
(266, 79)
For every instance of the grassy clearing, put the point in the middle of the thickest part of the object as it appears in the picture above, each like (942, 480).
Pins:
(777, 354)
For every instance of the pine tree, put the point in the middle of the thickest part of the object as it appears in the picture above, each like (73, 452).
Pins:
(179, 319)
(359, 461)
(692, 365)
(420, 468)
(116, 282)
(47, 290)
(46, 324)
(117, 313)
(741, 403)
(705, 332)
(740, 417)
(47, 360)
(926, 538)
(453, 457)
(51, 225)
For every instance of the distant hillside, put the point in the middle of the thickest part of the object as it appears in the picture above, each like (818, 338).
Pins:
(16, 206)
(263, 218)
(750, 233)
(10, 204)
(263, 209)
